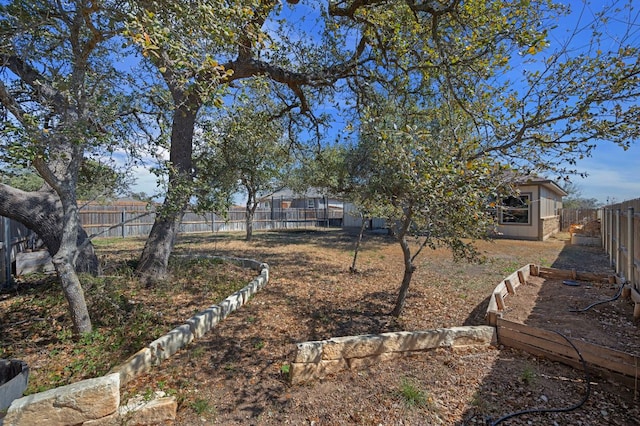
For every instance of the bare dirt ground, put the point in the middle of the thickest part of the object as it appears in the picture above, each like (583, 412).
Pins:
(234, 375)
(553, 305)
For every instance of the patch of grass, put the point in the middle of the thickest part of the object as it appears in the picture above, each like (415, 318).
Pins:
(196, 352)
(411, 394)
(480, 403)
(285, 369)
(202, 406)
(528, 375)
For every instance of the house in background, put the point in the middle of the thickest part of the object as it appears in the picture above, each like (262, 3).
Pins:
(313, 205)
(534, 214)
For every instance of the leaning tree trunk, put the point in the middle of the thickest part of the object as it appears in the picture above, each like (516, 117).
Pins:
(64, 262)
(154, 261)
(353, 269)
(409, 268)
(42, 212)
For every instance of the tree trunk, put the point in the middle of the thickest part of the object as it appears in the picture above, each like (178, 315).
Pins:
(73, 292)
(409, 268)
(41, 211)
(154, 260)
(249, 213)
(61, 174)
(64, 262)
(249, 224)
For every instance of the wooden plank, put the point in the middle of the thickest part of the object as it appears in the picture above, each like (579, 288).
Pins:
(617, 361)
(612, 354)
(628, 381)
(564, 274)
(534, 270)
(521, 278)
(492, 317)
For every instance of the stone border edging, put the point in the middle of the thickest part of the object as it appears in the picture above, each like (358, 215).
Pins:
(316, 359)
(196, 326)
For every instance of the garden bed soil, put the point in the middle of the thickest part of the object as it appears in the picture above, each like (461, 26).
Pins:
(552, 304)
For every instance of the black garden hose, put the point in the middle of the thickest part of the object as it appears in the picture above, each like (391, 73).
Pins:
(618, 293)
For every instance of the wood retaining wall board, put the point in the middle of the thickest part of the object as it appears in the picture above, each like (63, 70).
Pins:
(565, 274)
(506, 287)
(620, 366)
(509, 285)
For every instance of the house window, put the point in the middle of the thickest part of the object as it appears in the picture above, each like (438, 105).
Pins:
(311, 203)
(516, 210)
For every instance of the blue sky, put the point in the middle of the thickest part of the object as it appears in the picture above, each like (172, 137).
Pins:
(612, 173)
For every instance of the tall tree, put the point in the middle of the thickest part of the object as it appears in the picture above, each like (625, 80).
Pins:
(200, 49)
(458, 58)
(53, 90)
(575, 200)
(412, 167)
(466, 49)
(254, 147)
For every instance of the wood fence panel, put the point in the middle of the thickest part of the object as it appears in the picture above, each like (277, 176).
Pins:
(569, 217)
(14, 238)
(621, 239)
(136, 220)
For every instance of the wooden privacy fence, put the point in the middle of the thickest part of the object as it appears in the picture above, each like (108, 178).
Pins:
(129, 219)
(621, 240)
(569, 217)
(125, 220)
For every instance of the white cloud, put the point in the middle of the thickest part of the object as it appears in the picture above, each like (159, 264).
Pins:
(612, 174)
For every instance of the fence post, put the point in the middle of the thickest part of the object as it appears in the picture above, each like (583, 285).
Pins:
(123, 215)
(7, 279)
(603, 228)
(610, 237)
(630, 246)
(618, 242)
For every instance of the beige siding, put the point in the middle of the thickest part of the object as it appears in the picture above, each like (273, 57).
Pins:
(550, 203)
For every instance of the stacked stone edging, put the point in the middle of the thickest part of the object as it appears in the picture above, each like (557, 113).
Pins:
(316, 359)
(196, 326)
(96, 402)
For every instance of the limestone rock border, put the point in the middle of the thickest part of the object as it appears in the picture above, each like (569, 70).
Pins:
(196, 326)
(317, 359)
(82, 402)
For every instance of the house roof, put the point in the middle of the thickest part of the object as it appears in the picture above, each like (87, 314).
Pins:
(536, 180)
(291, 194)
